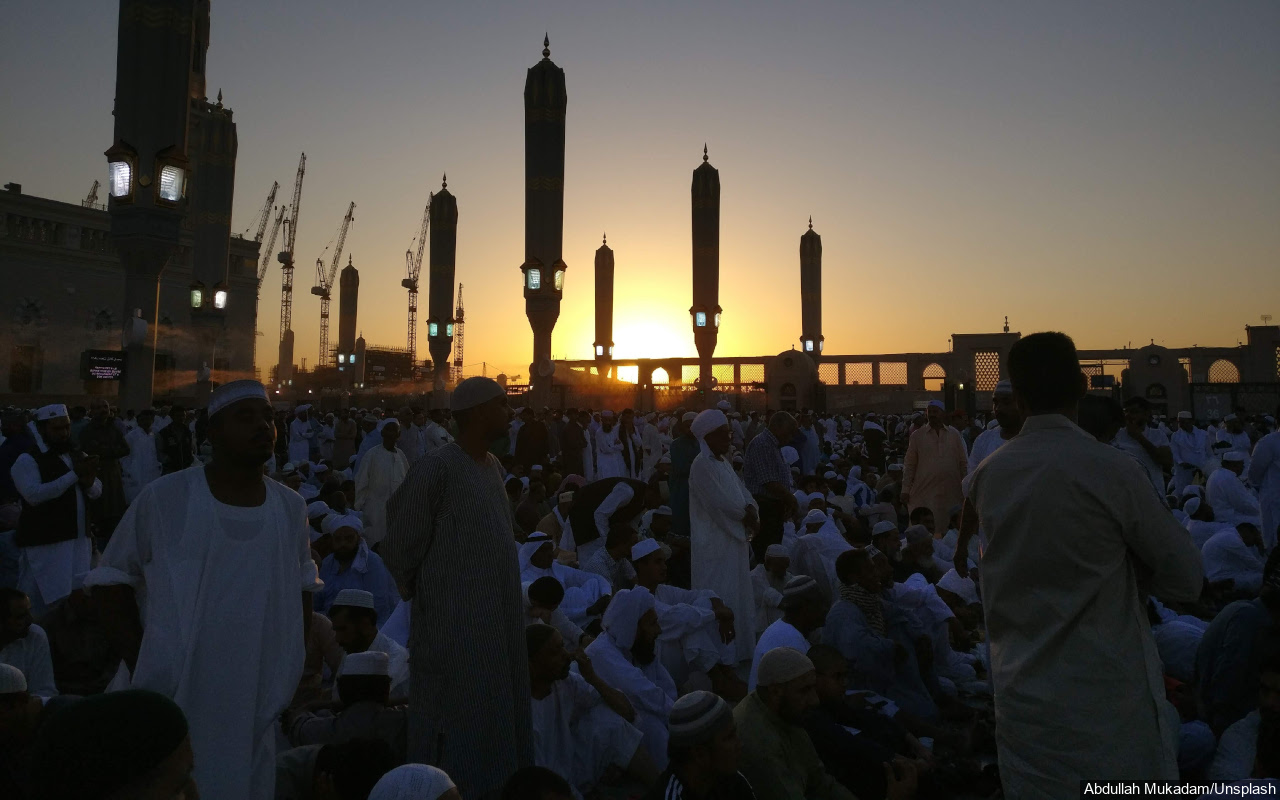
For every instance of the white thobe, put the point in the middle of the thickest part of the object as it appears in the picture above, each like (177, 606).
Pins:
(768, 590)
(581, 589)
(690, 640)
(1226, 556)
(577, 736)
(512, 430)
(1239, 442)
(326, 442)
(648, 687)
(1232, 501)
(30, 654)
(381, 472)
(300, 436)
(609, 463)
(720, 556)
(1264, 473)
(651, 441)
(1189, 447)
(1202, 531)
(48, 572)
(410, 443)
(218, 590)
(1237, 750)
(434, 436)
(1155, 472)
(142, 465)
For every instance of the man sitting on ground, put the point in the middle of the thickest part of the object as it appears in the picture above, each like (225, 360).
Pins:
(364, 689)
(352, 565)
(704, 752)
(355, 626)
(803, 612)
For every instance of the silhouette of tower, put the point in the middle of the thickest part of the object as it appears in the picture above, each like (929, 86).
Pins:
(706, 266)
(444, 248)
(348, 302)
(811, 292)
(604, 307)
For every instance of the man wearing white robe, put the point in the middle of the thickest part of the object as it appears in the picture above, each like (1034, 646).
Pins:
(301, 435)
(142, 465)
(211, 561)
(1076, 520)
(1190, 448)
(1235, 437)
(1264, 473)
(1235, 554)
(768, 579)
(585, 593)
(722, 515)
(651, 443)
(382, 469)
(609, 462)
(1232, 501)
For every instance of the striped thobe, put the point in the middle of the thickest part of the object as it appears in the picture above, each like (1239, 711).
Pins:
(449, 547)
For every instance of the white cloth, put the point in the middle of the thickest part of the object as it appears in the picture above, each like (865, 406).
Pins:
(49, 572)
(768, 594)
(1079, 515)
(230, 664)
(1264, 474)
(1190, 452)
(609, 463)
(397, 664)
(300, 436)
(142, 465)
(780, 634)
(987, 443)
(1130, 445)
(648, 687)
(1202, 531)
(582, 589)
(1237, 750)
(1226, 556)
(619, 496)
(690, 640)
(1240, 442)
(31, 655)
(577, 736)
(1232, 501)
(381, 472)
(720, 556)
(1177, 641)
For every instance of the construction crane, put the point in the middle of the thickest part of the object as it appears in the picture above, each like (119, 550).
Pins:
(92, 199)
(266, 262)
(265, 216)
(413, 268)
(286, 255)
(457, 338)
(324, 283)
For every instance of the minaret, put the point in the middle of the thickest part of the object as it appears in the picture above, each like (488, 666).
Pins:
(348, 305)
(706, 266)
(543, 267)
(149, 167)
(444, 247)
(604, 307)
(811, 293)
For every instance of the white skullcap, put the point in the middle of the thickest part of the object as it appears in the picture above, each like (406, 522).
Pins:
(1003, 387)
(797, 589)
(368, 418)
(606, 414)
(474, 391)
(335, 521)
(288, 469)
(811, 496)
(776, 551)
(814, 516)
(12, 680)
(1234, 457)
(643, 548)
(916, 534)
(1191, 506)
(301, 408)
(1192, 489)
(789, 454)
(710, 420)
(317, 509)
(412, 782)
(370, 662)
(829, 476)
(689, 416)
(664, 460)
(1184, 415)
(937, 404)
(724, 405)
(884, 527)
(782, 665)
(895, 468)
(234, 392)
(320, 468)
(964, 587)
(356, 598)
(695, 717)
(662, 511)
(51, 412)
(993, 424)
(536, 468)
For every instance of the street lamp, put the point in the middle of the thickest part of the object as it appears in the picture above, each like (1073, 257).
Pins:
(197, 295)
(220, 296)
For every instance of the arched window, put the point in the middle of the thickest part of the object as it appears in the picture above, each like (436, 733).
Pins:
(660, 377)
(934, 375)
(1223, 371)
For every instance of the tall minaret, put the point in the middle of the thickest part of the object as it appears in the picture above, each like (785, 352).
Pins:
(604, 307)
(811, 292)
(706, 266)
(543, 268)
(444, 247)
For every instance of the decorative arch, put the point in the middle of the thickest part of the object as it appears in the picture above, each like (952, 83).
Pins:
(934, 376)
(659, 377)
(1223, 371)
(788, 401)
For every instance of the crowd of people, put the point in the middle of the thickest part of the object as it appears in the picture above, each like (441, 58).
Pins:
(411, 604)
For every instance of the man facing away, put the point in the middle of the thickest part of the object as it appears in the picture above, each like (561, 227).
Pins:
(449, 547)
(215, 559)
(1070, 524)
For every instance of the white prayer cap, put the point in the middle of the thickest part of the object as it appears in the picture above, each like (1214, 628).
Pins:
(368, 418)
(829, 476)
(665, 460)
(317, 509)
(1191, 506)
(796, 589)
(536, 468)
(1184, 415)
(662, 511)
(1230, 418)
(299, 409)
(811, 496)
(1004, 387)
(606, 414)
(333, 522)
(710, 420)
(12, 680)
(356, 598)
(234, 392)
(790, 455)
(689, 416)
(737, 458)
(538, 536)
(320, 468)
(370, 662)
(51, 412)
(1193, 489)
(643, 548)
(650, 417)
(1234, 457)
(937, 404)
(993, 424)
(776, 551)
(624, 613)
(724, 405)
(474, 391)
(288, 468)
(895, 468)
(883, 527)
(814, 517)
(964, 587)
(916, 534)
(412, 782)
(782, 665)
(695, 717)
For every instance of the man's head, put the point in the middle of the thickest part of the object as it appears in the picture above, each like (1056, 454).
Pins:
(1102, 417)
(1234, 462)
(802, 605)
(786, 684)
(1234, 423)
(241, 424)
(831, 674)
(544, 552)
(548, 659)
(390, 434)
(919, 543)
(702, 742)
(54, 425)
(479, 406)
(650, 562)
(620, 540)
(783, 426)
(19, 717)
(17, 619)
(814, 520)
(355, 622)
(345, 540)
(936, 414)
(923, 515)
(632, 623)
(855, 568)
(130, 744)
(366, 677)
(545, 594)
(1045, 372)
(146, 418)
(1137, 412)
(1249, 534)
(660, 522)
(885, 538)
(99, 410)
(776, 560)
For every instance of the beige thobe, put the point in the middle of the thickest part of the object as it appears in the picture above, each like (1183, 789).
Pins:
(936, 462)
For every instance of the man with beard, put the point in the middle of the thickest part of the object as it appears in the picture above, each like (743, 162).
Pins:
(352, 565)
(54, 481)
(24, 645)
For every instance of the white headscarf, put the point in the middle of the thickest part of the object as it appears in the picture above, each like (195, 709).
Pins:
(710, 420)
(623, 615)
(532, 545)
(412, 782)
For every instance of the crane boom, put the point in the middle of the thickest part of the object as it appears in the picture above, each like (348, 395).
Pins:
(324, 283)
(413, 268)
(267, 208)
(286, 257)
(271, 243)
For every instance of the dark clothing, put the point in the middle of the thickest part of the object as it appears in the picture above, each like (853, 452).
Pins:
(588, 498)
(531, 444)
(173, 444)
(56, 520)
(853, 759)
(104, 441)
(14, 446)
(572, 443)
(683, 451)
(773, 514)
(84, 661)
(669, 787)
(1240, 639)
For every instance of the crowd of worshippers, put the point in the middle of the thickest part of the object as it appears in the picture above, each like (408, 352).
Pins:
(566, 603)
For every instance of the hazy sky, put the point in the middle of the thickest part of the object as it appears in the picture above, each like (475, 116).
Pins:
(1107, 169)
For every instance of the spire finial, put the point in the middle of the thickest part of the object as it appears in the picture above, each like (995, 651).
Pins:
(704, 151)
(219, 96)
(546, 45)
(605, 237)
(444, 181)
(810, 222)
(1006, 323)
(348, 259)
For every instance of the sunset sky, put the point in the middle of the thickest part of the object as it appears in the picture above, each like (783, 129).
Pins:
(1107, 169)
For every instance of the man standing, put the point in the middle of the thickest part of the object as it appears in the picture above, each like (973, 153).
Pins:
(1008, 424)
(572, 443)
(54, 481)
(101, 438)
(768, 480)
(449, 547)
(173, 442)
(1264, 474)
(532, 439)
(194, 547)
(722, 517)
(1189, 447)
(381, 471)
(935, 465)
(609, 463)
(1232, 501)
(142, 465)
(344, 439)
(301, 435)
(1148, 446)
(684, 449)
(1077, 521)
